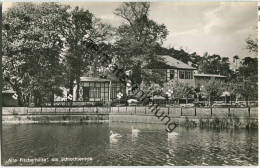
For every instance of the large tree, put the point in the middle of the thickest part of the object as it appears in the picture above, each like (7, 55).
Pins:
(31, 48)
(137, 37)
(214, 64)
(81, 32)
(248, 78)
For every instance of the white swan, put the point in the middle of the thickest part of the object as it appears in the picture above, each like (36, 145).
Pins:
(114, 135)
(113, 138)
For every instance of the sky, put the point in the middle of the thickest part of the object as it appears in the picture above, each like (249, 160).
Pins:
(214, 27)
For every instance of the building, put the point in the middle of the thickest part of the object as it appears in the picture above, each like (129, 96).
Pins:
(172, 69)
(7, 98)
(202, 78)
(96, 89)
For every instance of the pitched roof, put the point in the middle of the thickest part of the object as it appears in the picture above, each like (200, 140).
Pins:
(209, 75)
(176, 63)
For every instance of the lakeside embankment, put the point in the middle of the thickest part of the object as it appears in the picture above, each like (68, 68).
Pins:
(188, 117)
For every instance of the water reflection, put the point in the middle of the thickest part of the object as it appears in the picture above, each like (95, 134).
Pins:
(130, 144)
(135, 133)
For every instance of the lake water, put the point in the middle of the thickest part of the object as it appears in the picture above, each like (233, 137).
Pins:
(150, 146)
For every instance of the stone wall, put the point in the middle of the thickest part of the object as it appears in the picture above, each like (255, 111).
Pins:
(128, 114)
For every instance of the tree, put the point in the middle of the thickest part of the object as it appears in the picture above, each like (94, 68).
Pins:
(212, 89)
(137, 37)
(235, 60)
(248, 78)
(82, 30)
(179, 90)
(31, 48)
(251, 45)
(188, 91)
(214, 64)
(233, 88)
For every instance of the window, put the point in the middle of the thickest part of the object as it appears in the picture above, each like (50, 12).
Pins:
(191, 74)
(86, 84)
(171, 74)
(85, 93)
(94, 93)
(104, 93)
(116, 88)
(186, 74)
(182, 74)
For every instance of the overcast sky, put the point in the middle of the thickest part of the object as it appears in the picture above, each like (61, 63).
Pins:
(213, 27)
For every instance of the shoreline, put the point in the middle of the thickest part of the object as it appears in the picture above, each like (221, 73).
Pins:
(187, 117)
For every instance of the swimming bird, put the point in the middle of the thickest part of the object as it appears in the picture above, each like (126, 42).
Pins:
(114, 135)
(113, 138)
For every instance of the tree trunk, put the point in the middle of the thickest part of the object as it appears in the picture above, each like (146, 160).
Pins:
(20, 99)
(52, 99)
(71, 86)
(38, 99)
(187, 100)
(19, 96)
(78, 86)
(246, 101)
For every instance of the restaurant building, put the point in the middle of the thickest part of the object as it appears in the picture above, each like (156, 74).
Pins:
(96, 89)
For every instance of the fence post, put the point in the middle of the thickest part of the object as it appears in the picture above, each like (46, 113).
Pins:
(181, 111)
(229, 111)
(118, 109)
(144, 109)
(249, 111)
(168, 111)
(41, 109)
(195, 111)
(210, 111)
